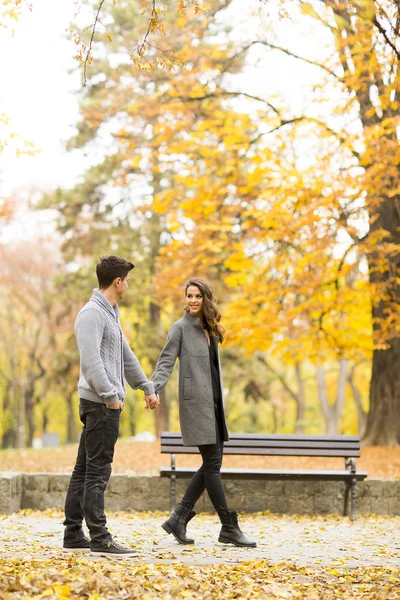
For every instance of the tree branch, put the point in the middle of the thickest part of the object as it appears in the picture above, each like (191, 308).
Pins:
(341, 387)
(323, 392)
(310, 120)
(227, 93)
(281, 378)
(383, 31)
(286, 122)
(85, 64)
(362, 414)
(141, 47)
(293, 55)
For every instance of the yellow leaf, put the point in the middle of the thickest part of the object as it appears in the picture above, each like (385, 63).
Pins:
(307, 9)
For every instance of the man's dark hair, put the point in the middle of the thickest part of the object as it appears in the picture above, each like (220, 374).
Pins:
(111, 267)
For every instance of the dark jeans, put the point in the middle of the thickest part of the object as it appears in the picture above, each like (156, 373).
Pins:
(85, 496)
(209, 475)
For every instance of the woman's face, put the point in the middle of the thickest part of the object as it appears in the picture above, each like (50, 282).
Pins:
(194, 300)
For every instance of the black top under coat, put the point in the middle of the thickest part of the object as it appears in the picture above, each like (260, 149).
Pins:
(213, 350)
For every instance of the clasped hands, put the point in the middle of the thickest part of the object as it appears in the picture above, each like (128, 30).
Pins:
(152, 401)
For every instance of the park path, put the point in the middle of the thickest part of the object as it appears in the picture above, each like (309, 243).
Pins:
(312, 541)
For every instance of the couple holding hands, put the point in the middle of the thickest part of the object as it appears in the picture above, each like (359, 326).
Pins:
(106, 361)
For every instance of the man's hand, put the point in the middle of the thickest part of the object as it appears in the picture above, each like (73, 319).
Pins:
(117, 405)
(152, 401)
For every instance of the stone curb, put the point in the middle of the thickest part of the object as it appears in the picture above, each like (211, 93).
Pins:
(140, 492)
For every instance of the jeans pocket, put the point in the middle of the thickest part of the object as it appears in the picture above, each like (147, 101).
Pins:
(91, 413)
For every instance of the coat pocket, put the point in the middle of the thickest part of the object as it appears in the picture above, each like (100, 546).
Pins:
(187, 388)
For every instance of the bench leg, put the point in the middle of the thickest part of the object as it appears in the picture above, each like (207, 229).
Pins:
(346, 499)
(172, 504)
(353, 499)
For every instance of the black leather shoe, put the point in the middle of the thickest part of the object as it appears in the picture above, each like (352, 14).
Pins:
(231, 532)
(177, 523)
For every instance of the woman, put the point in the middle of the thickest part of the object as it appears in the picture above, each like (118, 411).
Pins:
(194, 340)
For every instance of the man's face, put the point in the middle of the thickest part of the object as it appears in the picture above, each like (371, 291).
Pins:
(121, 286)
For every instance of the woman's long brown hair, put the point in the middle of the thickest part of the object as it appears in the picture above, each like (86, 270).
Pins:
(211, 314)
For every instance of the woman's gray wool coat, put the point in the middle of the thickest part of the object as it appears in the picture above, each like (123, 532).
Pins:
(187, 341)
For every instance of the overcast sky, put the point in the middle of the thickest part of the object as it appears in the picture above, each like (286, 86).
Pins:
(37, 93)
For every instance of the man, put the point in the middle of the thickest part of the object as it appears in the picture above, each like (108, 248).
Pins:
(106, 360)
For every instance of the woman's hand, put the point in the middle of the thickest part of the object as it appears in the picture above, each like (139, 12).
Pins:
(152, 401)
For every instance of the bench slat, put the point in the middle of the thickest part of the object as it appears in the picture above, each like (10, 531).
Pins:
(267, 451)
(271, 474)
(274, 444)
(279, 436)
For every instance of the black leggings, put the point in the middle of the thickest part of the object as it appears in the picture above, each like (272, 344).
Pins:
(209, 475)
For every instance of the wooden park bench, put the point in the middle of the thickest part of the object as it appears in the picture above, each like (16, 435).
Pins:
(254, 444)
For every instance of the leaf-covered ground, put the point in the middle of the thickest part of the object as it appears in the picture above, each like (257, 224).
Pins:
(77, 578)
(322, 558)
(145, 457)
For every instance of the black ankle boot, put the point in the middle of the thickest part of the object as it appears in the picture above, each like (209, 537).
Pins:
(230, 531)
(177, 522)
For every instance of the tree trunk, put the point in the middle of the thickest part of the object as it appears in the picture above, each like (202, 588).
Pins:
(45, 421)
(383, 423)
(28, 395)
(162, 415)
(274, 412)
(326, 408)
(72, 431)
(132, 421)
(19, 403)
(9, 433)
(300, 403)
(298, 397)
(362, 415)
(332, 412)
(9, 438)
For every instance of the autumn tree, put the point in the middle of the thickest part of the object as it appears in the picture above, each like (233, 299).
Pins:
(370, 73)
(34, 327)
(365, 65)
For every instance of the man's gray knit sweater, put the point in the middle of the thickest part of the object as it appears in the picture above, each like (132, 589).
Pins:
(105, 356)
